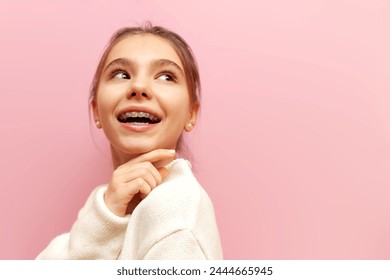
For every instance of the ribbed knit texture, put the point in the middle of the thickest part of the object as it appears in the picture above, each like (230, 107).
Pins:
(175, 221)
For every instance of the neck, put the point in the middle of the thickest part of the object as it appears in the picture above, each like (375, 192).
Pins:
(119, 158)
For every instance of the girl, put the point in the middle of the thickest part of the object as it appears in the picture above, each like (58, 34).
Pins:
(144, 94)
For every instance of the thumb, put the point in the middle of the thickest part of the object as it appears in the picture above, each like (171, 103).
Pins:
(163, 172)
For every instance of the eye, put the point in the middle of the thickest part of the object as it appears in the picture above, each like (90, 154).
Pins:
(120, 75)
(167, 77)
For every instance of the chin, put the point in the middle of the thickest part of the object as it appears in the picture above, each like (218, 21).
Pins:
(140, 146)
(136, 150)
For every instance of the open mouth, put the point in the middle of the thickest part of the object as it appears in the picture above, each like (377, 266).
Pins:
(138, 118)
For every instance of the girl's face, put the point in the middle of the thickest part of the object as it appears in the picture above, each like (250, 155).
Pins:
(142, 100)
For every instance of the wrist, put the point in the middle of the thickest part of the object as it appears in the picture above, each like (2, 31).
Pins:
(118, 210)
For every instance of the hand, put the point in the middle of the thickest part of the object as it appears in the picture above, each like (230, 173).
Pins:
(133, 181)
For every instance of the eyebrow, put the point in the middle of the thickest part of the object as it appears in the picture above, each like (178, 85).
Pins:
(125, 62)
(118, 61)
(167, 62)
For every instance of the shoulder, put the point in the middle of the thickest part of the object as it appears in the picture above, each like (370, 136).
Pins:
(179, 207)
(181, 186)
(179, 199)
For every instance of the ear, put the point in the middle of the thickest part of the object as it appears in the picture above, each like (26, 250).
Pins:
(95, 113)
(193, 117)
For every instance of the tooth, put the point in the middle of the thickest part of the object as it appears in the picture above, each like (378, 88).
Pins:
(139, 115)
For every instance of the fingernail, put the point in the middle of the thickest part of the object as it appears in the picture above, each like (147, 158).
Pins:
(171, 151)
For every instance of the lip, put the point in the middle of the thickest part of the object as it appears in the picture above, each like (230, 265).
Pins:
(135, 108)
(136, 127)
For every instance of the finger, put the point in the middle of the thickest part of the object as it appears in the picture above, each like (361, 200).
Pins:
(153, 171)
(163, 172)
(150, 173)
(161, 163)
(160, 155)
(139, 185)
(142, 196)
(145, 171)
(133, 203)
(156, 175)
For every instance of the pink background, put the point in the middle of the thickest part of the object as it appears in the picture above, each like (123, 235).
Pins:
(293, 144)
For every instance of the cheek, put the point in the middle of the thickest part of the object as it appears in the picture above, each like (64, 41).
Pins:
(102, 106)
(177, 99)
(107, 98)
(179, 108)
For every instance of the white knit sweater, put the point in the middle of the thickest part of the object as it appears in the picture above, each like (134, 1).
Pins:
(175, 221)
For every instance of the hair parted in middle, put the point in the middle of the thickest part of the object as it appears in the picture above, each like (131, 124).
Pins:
(182, 49)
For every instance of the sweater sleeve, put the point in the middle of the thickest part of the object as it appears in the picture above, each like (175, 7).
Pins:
(96, 234)
(179, 245)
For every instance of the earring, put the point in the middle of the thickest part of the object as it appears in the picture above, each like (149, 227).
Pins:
(98, 125)
(189, 126)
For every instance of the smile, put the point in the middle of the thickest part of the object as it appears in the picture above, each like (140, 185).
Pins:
(138, 118)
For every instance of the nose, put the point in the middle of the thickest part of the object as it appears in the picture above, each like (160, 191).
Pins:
(139, 89)
(135, 94)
